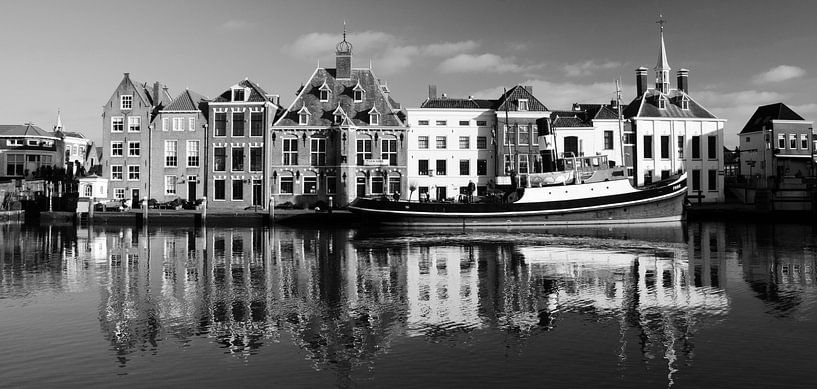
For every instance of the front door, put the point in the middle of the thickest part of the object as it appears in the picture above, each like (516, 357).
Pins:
(256, 192)
(134, 198)
(361, 186)
(441, 193)
(191, 190)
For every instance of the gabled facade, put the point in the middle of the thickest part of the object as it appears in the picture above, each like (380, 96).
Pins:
(126, 118)
(342, 137)
(668, 132)
(25, 148)
(177, 149)
(521, 117)
(777, 142)
(237, 147)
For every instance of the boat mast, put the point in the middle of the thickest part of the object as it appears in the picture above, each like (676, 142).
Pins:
(620, 124)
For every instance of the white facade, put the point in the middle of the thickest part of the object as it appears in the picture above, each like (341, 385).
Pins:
(607, 133)
(447, 149)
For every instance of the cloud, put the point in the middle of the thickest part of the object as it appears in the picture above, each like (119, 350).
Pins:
(736, 107)
(449, 48)
(317, 44)
(588, 67)
(480, 63)
(779, 73)
(236, 25)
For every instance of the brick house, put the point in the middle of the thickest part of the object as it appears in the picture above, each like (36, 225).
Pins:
(342, 137)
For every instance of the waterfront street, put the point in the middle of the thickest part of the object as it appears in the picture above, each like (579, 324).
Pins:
(687, 306)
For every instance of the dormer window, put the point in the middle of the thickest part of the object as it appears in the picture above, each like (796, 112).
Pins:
(239, 94)
(522, 104)
(685, 102)
(338, 114)
(303, 116)
(662, 104)
(15, 142)
(358, 92)
(324, 92)
(126, 102)
(374, 117)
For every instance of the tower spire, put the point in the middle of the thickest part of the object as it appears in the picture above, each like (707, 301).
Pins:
(662, 67)
(58, 126)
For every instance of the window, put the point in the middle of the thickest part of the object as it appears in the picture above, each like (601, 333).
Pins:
(712, 180)
(664, 174)
(358, 96)
(119, 193)
(117, 149)
(422, 142)
(377, 184)
(647, 146)
(712, 149)
(310, 185)
(165, 122)
(331, 184)
(89, 190)
(482, 167)
(781, 141)
(178, 124)
(238, 159)
(629, 138)
(14, 142)
(287, 185)
(422, 122)
(171, 153)
(524, 135)
(510, 137)
(422, 167)
(374, 119)
(441, 142)
(465, 167)
(116, 173)
(482, 123)
(238, 123)
(256, 123)
(133, 172)
(441, 167)
(465, 122)
(696, 147)
(482, 143)
(363, 150)
(126, 102)
(238, 190)
(170, 185)
(524, 167)
(338, 118)
(191, 124)
(793, 141)
(665, 146)
(696, 179)
(32, 142)
(256, 159)
(509, 163)
(192, 153)
(465, 142)
(290, 155)
(804, 141)
(662, 104)
(220, 159)
(219, 188)
(134, 149)
(523, 104)
(680, 147)
(388, 150)
(324, 95)
(303, 118)
(221, 124)
(648, 177)
(317, 151)
(238, 94)
(134, 124)
(117, 124)
(441, 122)
(394, 184)
(685, 103)
(608, 140)
(15, 165)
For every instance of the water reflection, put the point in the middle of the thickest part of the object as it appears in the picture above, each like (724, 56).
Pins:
(347, 297)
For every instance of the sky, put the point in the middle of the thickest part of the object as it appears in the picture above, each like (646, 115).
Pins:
(71, 55)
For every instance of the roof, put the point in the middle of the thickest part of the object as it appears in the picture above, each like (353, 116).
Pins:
(341, 94)
(454, 103)
(766, 113)
(23, 130)
(646, 105)
(73, 134)
(510, 100)
(257, 94)
(572, 118)
(186, 101)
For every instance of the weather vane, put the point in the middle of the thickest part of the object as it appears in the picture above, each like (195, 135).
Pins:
(661, 21)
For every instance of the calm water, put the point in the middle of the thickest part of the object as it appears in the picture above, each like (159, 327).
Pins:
(685, 306)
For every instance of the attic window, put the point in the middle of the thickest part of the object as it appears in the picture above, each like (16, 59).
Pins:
(303, 116)
(324, 92)
(522, 104)
(238, 94)
(126, 102)
(338, 118)
(358, 92)
(15, 142)
(662, 104)
(374, 117)
(685, 103)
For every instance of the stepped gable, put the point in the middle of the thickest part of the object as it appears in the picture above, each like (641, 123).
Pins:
(341, 94)
(764, 115)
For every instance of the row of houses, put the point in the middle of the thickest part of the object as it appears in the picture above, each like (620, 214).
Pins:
(26, 148)
(344, 136)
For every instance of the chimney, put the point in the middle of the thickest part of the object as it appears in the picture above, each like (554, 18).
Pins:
(577, 107)
(156, 97)
(614, 104)
(127, 75)
(432, 91)
(640, 81)
(529, 88)
(683, 80)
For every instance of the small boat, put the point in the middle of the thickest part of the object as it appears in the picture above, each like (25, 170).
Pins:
(579, 197)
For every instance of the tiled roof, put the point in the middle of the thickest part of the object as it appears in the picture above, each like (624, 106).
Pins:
(766, 113)
(73, 134)
(341, 93)
(570, 119)
(646, 105)
(23, 130)
(257, 94)
(186, 101)
(511, 98)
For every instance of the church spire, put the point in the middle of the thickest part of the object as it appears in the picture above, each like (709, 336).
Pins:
(58, 126)
(662, 67)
